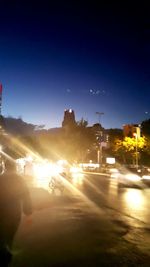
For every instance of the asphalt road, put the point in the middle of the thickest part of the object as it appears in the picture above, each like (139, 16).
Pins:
(93, 223)
(129, 201)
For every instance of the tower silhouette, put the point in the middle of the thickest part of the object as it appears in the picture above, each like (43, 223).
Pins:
(69, 118)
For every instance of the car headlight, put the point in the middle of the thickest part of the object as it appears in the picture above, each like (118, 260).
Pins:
(146, 177)
(132, 177)
(42, 170)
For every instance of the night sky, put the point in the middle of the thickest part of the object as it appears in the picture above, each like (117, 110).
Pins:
(82, 56)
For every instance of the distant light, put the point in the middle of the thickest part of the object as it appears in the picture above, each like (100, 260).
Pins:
(29, 158)
(132, 177)
(110, 160)
(74, 169)
(62, 162)
(70, 110)
(146, 177)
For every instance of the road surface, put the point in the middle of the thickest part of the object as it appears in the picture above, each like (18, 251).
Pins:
(94, 223)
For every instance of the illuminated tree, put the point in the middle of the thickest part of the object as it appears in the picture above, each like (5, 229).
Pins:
(127, 148)
(130, 144)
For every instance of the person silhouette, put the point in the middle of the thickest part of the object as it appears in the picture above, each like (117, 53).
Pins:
(14, 200)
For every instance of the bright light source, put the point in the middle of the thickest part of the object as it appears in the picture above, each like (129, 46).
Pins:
(146, 177)
(132, 177)
(47, 169)
(62, 162)
(75, 169)
(29, 158)
(42, 169)
(110, 160)
(134, 199)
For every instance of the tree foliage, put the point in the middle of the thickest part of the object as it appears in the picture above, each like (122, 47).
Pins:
(125, 149)
(130, 143)
(17, 126)
(82, 123)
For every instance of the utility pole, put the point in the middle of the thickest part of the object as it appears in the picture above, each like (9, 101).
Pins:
(136, 149)
(137, 135)
(99, 152)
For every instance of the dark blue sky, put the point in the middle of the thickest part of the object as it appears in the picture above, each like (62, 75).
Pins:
(81, 56)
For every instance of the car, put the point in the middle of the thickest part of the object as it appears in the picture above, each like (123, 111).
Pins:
(129, 177)
(109, 168)
(146, 176)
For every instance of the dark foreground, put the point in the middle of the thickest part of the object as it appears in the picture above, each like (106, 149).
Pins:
(73, 230)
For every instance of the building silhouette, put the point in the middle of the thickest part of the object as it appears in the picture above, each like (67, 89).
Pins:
(131, 129)
(69, 119)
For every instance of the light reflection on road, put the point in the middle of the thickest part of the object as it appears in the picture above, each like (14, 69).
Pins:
(77, 179)
(134, 199)
(113, 191)
(130, 201)
(135, 202)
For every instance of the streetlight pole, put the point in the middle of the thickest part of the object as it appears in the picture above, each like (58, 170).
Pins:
(136, 150)
(137, 136)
